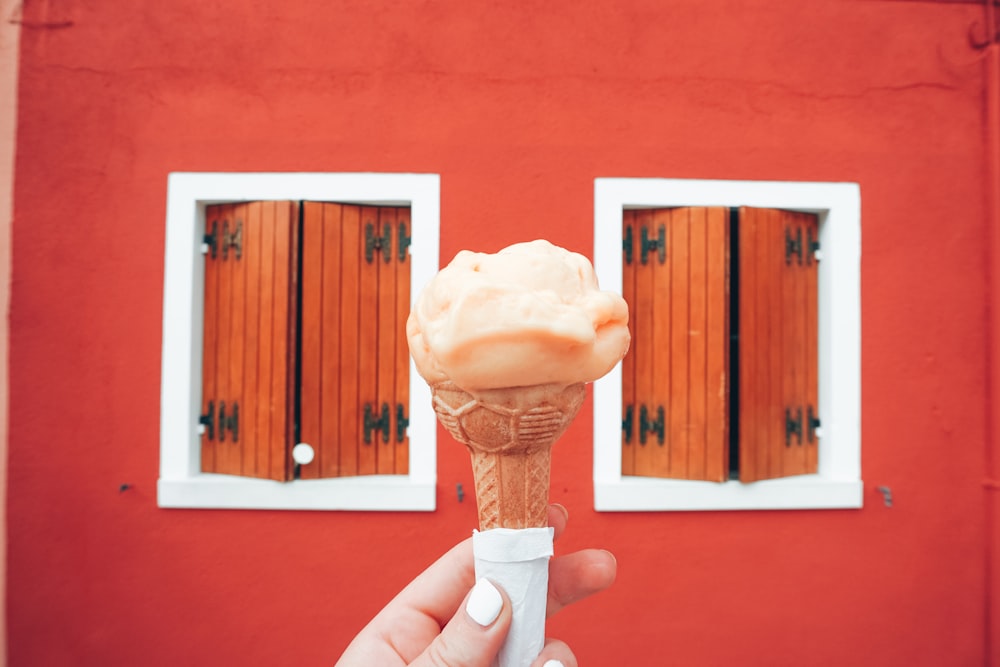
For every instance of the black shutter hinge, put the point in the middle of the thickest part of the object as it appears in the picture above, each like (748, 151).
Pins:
(403, 241)
(232, 421)
(232, 239)
(627, 423)
(793, 245)
(647, 426)
(627, 245)
(402, 421)
(208, 420)
(374, 242)
(658, 244)
(793, 426)
(373, 423)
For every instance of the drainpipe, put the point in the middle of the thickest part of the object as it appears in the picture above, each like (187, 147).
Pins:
(992, 482)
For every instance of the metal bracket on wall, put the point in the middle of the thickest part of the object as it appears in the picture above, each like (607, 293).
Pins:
(210, 240)
(403, 241)
(401, 422)
(627, 423)
(208, 420)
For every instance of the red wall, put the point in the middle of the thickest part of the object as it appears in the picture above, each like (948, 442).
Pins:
(518, 110)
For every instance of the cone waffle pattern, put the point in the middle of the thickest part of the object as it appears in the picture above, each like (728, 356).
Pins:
(509, 434)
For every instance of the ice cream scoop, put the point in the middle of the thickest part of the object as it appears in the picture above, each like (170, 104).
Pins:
(531, 314)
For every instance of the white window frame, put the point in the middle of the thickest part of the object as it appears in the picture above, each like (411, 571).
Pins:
(837, 484)
(181, 482)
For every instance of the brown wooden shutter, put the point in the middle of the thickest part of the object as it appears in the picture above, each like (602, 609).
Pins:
(353, 285)
(248, 341)
(675, 377)
(778, 409)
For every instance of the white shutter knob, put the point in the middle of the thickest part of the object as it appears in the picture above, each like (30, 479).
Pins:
(303, 454)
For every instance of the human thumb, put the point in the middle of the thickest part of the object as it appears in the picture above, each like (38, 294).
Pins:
(473, 637)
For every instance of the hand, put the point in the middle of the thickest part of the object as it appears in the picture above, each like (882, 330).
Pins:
(428, 625)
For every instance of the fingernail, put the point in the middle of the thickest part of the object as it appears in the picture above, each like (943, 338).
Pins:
(552, 663)
(485, 603)
(565, 513)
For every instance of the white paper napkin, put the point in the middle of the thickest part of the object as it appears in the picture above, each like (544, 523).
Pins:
(518, 560)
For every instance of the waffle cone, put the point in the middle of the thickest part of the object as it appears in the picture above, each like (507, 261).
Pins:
(509, 433)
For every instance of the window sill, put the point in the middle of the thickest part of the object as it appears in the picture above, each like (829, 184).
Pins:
(639, 494)
(368, 493)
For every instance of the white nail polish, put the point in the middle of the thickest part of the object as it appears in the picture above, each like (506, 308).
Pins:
(485, 603)
(552, 663)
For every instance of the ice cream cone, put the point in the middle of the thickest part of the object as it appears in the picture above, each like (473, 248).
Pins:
(509, 433)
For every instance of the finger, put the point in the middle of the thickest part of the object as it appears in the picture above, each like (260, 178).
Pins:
(557, 517)
(555, 654)
(577, 575)
(473, 637)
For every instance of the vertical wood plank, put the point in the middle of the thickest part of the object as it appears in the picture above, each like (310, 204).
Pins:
(765, 441)
(750, 342)
(311, 335)
(645, 343)
(385, 352)
(250, 405)
(330, 372)
(352, 256)
(776, 360)
(661, 358)
(717, 330)
(629, 437)
(265, 338)
(210, 342)
(697, 463)
(283, 343)
(793, 347)
(402, 266)
(368, 343)
(678, 410)
(810, 313)
(224, 389)
(237, 267)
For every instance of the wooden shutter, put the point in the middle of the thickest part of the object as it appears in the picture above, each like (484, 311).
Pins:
(676, 374)
(249, 346)
(778, 411)
(354, 400)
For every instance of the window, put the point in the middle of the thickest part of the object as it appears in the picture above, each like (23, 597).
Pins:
(730, 398)
(303, 339)
(720, 380)
(285, 300)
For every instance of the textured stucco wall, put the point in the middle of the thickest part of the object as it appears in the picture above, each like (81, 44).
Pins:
(518, 108)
